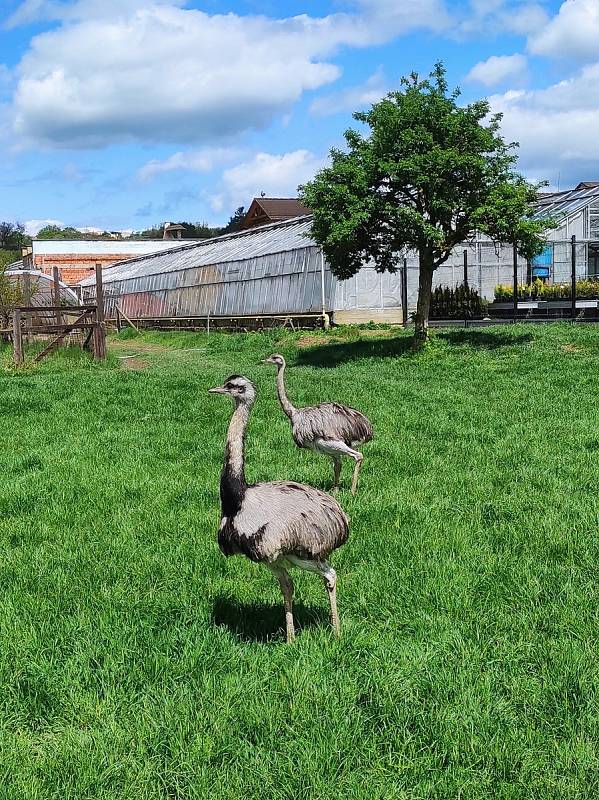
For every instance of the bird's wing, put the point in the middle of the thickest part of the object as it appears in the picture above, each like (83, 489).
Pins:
(332, 422)
(283, 518)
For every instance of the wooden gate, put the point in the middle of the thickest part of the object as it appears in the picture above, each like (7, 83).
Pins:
(89, 320)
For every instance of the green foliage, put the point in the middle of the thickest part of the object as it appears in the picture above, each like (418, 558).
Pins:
(197, 230)
(56, 232)
(13, 237)
(136, 663)
(8, 257)
(235, 221)
(427, 174)
(463, 302)
(10, 296)
(537, 290)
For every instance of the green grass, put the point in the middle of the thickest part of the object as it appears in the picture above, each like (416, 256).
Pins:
(138, 663)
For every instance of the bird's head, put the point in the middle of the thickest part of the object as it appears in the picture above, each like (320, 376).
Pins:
(275, 359)
(241, 389)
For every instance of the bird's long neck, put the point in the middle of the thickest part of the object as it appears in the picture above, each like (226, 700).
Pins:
(232, 480)
(284, 400)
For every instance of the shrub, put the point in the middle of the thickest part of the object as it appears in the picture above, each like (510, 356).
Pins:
(459, 303)
(537, 290)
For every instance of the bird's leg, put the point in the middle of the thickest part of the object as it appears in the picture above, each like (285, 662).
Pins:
(286, 585)
(329, 577)
(336, 472)
(358, 459)
(330, 581)
(336, 450)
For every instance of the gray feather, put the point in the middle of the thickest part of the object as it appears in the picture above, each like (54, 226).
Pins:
(331, 422)
(284, 518)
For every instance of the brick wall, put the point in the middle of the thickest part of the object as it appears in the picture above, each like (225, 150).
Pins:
(73, 268)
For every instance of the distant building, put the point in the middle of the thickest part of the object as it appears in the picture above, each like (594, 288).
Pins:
(76, 259)
(265, 210)
(172, 231)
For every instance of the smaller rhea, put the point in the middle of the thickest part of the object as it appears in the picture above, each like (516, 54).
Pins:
(329, 428)
(280, 524)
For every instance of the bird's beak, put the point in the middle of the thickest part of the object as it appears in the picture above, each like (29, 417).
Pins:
(218, 390)
(268, 361)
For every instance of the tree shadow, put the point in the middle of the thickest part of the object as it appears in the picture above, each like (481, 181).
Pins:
(331, 355)
(263, 622)
(484, 339)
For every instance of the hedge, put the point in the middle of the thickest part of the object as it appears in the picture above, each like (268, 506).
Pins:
(459, 303)
(537, 290)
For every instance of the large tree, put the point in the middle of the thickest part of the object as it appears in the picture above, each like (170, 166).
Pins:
(425, 176)
(13, 236)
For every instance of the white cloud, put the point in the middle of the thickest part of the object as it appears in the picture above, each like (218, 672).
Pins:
(499, 69)
(113, 72)
(203, 160)
(34, 226)
(354, 98)
(556, 127)
(495, 16)
(67, 10)
(572, 33)
(276, 175)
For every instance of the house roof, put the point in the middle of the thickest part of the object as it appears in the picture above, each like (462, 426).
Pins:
(274, 209)
(258, 241)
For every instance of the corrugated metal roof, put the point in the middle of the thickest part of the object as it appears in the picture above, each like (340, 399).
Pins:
(264, 240)
(564, 204)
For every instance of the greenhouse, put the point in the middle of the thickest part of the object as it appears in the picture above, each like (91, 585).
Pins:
(278, 270)
(41, 286)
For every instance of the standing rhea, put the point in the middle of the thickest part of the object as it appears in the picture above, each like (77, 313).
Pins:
(279, 524)
(330, 428)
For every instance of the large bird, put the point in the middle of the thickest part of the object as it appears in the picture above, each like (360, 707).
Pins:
(279, 524)
(329, 428)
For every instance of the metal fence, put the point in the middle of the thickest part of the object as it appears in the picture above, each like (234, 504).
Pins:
(489, 265)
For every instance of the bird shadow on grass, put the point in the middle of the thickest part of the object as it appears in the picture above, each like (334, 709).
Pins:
(331, 355)
(483, 339)
(263, 622)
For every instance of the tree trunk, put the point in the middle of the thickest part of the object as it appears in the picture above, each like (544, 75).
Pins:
(425, 286)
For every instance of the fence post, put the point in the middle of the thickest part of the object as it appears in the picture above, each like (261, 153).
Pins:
(100, 329)
(27, 302)
(56, 293)
(466, 298)
(17, 337)
(404, 293)
(515, 283)
(574, 277)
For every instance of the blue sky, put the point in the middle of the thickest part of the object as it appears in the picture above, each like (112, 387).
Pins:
(120, 114)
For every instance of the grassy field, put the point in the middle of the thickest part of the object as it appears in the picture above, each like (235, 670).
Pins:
(137, 663)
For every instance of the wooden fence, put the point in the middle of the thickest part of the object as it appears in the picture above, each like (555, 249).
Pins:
(89, 320)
